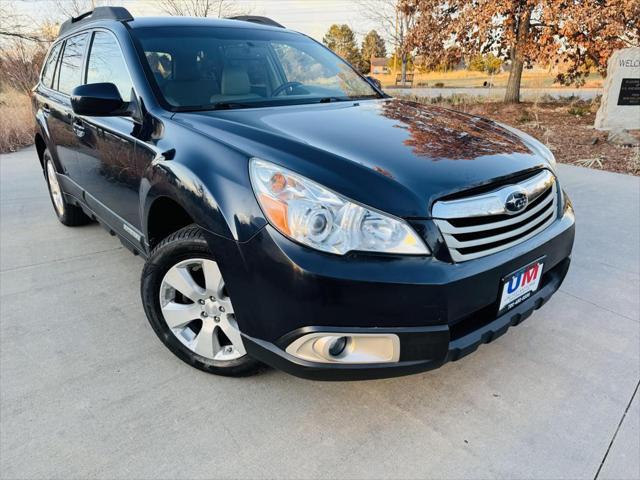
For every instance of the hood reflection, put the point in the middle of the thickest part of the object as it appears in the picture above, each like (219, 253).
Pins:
(441, 134)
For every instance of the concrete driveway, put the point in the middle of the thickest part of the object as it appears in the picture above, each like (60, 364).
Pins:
(87, 391)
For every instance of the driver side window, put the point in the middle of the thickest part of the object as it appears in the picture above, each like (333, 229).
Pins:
(106, 64)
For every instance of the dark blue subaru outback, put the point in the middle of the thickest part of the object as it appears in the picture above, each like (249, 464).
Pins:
(291, 213)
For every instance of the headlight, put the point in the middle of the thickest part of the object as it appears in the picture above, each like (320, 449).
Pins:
(322, 219)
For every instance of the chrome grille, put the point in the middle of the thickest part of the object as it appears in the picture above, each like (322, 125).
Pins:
(480, 225)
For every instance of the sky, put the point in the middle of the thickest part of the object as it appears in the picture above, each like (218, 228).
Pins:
(313, 17)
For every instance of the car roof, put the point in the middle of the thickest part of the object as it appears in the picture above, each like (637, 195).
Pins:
(103, 16)
(144, 22)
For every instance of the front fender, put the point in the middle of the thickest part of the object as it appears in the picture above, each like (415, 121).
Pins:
(216, 202)
(219, 205)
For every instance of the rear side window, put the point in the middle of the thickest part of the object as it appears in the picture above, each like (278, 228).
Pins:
(106, 64)
(50, 65)
(70, 75)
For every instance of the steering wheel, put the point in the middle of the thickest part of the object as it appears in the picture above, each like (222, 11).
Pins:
(285, 86)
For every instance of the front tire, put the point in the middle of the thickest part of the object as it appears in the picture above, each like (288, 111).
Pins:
(68, 214)
(187, 304)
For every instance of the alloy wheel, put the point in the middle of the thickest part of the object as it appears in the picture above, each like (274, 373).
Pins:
(54, 188)
(198, 311)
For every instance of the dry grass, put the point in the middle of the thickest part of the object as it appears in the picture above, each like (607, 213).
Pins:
(465, 78)
(16, 121)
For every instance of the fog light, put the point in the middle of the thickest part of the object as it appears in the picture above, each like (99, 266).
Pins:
(330, 347)
(333, 347)
(337, 346)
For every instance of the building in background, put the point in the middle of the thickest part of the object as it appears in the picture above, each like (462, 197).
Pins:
(380, 65)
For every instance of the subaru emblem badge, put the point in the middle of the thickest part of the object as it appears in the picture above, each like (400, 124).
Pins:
(516, 202)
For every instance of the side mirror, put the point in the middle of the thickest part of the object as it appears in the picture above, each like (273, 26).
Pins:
(98, 100)
(375, 82)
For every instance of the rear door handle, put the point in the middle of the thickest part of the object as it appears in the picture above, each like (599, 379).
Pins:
(78, 128)
(45, 109)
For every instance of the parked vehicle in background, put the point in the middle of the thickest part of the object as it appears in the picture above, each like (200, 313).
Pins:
(289, 212)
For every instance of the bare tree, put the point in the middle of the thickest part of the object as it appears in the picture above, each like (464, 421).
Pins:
(16, 26)
(72, 8)
(202, 8)
(395, 25)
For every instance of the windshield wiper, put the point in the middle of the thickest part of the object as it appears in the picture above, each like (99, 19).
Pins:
(331, 99)
(365, 97)
(231, 105)
(346, 99)
(299, 101)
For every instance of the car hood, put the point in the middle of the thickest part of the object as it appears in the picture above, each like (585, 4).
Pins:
(396, 155)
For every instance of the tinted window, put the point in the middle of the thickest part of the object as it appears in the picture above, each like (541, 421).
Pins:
(161, 64)
(50, 65)
(203, 67)
(301, 67)
(70, 74)
(106, 64)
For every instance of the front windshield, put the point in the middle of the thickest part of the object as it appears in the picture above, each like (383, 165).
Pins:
(199, 68)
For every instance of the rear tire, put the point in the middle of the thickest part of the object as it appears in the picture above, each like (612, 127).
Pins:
(187, 305)
(68, 214)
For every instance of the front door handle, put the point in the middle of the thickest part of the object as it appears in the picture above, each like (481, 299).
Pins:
(46, 110)
(78, 129)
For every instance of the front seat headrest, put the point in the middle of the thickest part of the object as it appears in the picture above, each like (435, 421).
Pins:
(235, 81)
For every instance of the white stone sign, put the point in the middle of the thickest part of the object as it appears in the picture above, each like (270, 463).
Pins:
(620, 106)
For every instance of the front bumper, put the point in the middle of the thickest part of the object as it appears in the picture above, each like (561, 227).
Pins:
(422, 348)
(440, 310)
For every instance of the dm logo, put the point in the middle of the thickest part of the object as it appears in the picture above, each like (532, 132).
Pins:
(516, 202)
(522, 279)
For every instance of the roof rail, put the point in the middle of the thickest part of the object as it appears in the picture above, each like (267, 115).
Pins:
(257, 19)
(120, 14)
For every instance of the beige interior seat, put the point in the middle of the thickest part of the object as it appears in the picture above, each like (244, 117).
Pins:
(189, 87)
(234, 85)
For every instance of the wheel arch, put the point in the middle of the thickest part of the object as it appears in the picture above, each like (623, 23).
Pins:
(165, 216)
(171, 198)
(194, 187)
(42, 141)
(41, 146)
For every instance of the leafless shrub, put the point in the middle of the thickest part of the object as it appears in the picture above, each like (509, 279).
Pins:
(457, 99)
(591, 162)
(525, 117)
(16, 121)
(579, 110)
(20, 65)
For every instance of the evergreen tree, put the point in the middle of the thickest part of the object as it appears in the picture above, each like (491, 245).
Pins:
(372, 46)
(342, 40)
